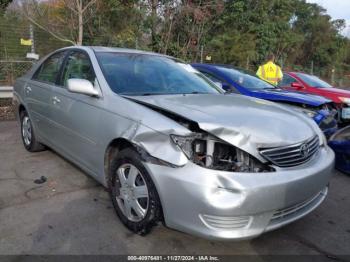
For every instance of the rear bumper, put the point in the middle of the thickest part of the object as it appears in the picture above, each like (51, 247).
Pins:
(224, 205)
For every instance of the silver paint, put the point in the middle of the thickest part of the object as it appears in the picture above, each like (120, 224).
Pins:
(82, 127)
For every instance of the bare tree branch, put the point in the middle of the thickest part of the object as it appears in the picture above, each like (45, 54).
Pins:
(50, 32)
(88, 5)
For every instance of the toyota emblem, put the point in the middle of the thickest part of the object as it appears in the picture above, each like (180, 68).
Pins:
(304, 150)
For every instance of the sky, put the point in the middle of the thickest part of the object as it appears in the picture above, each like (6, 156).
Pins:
(337, 9)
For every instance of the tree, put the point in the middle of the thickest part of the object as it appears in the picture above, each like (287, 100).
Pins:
(185, 25)
(239, 32)
(3, 5)
(116, 23)
(63, 19)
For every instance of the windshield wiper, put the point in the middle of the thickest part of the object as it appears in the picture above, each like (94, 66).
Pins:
(230, 91)
(140, 94)
(196, 92)
(191, 93)
(270, 88)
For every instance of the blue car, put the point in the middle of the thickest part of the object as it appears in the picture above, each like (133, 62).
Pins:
(340, 143)
(242, 82)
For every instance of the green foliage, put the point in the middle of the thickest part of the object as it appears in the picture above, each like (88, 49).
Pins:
(115, 23)
(239, 32)
(3, 5)
(297, 32)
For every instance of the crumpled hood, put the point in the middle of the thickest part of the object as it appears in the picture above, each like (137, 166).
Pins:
(289, 96)
(245, 122)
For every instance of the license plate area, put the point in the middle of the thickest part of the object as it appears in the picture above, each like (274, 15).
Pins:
(345, 113)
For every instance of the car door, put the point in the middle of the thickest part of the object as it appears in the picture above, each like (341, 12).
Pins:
(77, 116)
(290, 83)
(37, 95)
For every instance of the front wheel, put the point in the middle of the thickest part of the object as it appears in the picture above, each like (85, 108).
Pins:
(27, 134)
(133, 193)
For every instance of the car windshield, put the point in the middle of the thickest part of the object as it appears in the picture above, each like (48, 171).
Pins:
(143, 74)
(246, 79)
(313, 81)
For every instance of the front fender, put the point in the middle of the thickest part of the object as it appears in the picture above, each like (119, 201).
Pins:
(156, 144)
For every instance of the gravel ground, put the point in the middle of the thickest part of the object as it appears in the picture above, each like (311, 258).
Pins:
(6, 109)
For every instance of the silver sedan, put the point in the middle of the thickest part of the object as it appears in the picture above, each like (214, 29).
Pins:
(170, 146)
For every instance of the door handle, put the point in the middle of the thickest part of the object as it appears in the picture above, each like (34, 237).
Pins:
(28, 89)
(56, 100)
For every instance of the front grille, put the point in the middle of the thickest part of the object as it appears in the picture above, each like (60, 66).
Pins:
(226, 223)
(292, 155)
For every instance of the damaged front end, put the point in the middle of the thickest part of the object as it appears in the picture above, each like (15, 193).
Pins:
(206, 150)
(210, 152)
(325, 116)
(326, 120)
(340, 143)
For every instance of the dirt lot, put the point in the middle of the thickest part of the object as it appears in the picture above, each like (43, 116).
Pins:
(71, 214)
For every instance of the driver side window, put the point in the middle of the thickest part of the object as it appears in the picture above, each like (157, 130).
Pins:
(78, 65)
(287, 81)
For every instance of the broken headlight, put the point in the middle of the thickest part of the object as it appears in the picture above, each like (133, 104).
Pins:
(210, 152)
(309, 113)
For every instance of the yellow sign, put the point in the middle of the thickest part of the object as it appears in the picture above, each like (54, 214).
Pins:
(26, 42)
(208, 58)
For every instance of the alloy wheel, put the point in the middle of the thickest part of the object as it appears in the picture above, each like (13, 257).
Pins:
(133, 197)
(26, 130)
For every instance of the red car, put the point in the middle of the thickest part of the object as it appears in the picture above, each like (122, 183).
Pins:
(301, 82)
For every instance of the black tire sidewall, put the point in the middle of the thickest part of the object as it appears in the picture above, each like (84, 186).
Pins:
(22, 115)
(34, 145)
(130, 156)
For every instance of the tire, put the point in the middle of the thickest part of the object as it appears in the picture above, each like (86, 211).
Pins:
(27, 133)
(128, 189)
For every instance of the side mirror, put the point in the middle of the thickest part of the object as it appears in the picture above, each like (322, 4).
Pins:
(81, 86)
(297, 85)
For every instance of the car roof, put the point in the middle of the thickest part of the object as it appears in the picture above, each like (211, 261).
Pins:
(218, 66)
(296, 72)
(213, 65)
(101, 49)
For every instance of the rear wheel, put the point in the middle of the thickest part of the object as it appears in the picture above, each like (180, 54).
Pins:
(133, 193)
(27, 133)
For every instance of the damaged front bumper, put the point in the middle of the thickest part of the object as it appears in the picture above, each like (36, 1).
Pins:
(340, 143)
(326, 121)
(226, 205)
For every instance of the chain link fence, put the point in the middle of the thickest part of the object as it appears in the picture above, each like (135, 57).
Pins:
(10, 70)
